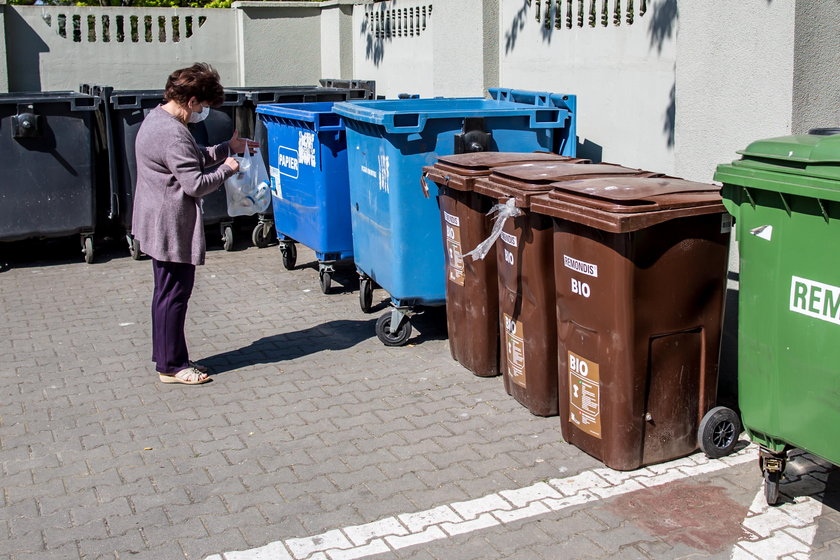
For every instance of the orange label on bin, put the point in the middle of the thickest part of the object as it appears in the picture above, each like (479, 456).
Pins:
(584, 395)
(454, 257)
(515, 350)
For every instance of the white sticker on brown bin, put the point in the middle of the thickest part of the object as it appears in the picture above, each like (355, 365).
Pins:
(725, 223)
(585, 395)
(454, 257)
(515, 350)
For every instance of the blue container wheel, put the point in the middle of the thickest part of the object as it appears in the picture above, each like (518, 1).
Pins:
(397, 241)
(307, 157)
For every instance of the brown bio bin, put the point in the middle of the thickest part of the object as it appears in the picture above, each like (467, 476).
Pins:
(472, 297)
(524, 258)
(640, 267)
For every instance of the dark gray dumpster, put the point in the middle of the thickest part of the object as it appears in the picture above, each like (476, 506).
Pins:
(47, 154)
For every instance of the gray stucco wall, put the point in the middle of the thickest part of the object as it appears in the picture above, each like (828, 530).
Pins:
(816, 80)
(490, 11)
(283, 44)
(337, 39)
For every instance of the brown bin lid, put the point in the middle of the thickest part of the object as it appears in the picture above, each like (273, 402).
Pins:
(526, 180)
(539, 176)
(456, 170)
(635, 194)
(628, 203)
(481, 162)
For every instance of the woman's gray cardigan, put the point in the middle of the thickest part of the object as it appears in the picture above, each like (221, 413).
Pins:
(172, 177)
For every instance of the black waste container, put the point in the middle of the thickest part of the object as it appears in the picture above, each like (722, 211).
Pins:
(47, 153)
(124, 113)
(218, 127)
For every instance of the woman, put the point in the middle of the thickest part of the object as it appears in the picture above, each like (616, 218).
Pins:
(173, 174)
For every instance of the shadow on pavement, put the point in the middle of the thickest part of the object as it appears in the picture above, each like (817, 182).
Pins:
(334, 335)
(809, 475)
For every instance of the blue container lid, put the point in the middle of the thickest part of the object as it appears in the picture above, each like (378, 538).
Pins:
(407, 116)
(320, 114)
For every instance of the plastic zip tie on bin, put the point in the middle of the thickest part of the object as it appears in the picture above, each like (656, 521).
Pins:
(503, 212)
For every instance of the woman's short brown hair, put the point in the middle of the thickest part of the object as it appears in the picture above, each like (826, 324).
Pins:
(199, 80)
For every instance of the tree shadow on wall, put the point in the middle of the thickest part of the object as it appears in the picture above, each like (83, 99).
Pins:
(550, 16)
(663, 23)
(662, 28)
(670, 121)
(517, 25)
(374, 43)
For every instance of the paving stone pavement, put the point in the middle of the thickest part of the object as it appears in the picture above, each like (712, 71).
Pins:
(316, 441)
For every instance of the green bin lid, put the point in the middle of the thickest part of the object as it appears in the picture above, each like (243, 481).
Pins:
(815, 155)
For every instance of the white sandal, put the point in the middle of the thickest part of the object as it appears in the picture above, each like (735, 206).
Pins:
(187, 376)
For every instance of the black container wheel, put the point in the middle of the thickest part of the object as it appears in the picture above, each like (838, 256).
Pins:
(289, 253)
(771, 487)
(227, 238)
(87, 249)
(133, 248)
(718, 432)
(260, 236)
(365, 294)
(325, 277)
(383, 332)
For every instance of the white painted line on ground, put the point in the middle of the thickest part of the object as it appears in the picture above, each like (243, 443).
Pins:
(784, 532)
(410, 529)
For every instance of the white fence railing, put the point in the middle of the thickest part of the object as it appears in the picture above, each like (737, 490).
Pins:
(125, 27)
(568, 14)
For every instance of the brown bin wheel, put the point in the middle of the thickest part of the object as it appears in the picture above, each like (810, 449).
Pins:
(718, 432)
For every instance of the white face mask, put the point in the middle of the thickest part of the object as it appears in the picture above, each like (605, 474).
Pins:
(198, 117)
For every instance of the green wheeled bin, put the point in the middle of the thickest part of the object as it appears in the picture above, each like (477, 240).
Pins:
(785, 196)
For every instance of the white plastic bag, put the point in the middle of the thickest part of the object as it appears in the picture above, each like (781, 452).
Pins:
(505, 211)
(248, 191)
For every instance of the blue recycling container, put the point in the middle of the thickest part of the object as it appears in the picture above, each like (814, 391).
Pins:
(307, 157)
(397, 240)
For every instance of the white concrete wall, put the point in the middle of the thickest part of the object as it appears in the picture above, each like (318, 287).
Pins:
(458, 50)
(623, 76)
(400, 62)
(734, 79)
(41, 59)
(455, 55)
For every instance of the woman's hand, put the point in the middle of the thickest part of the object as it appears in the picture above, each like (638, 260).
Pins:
(238, 145)
(233, 164)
